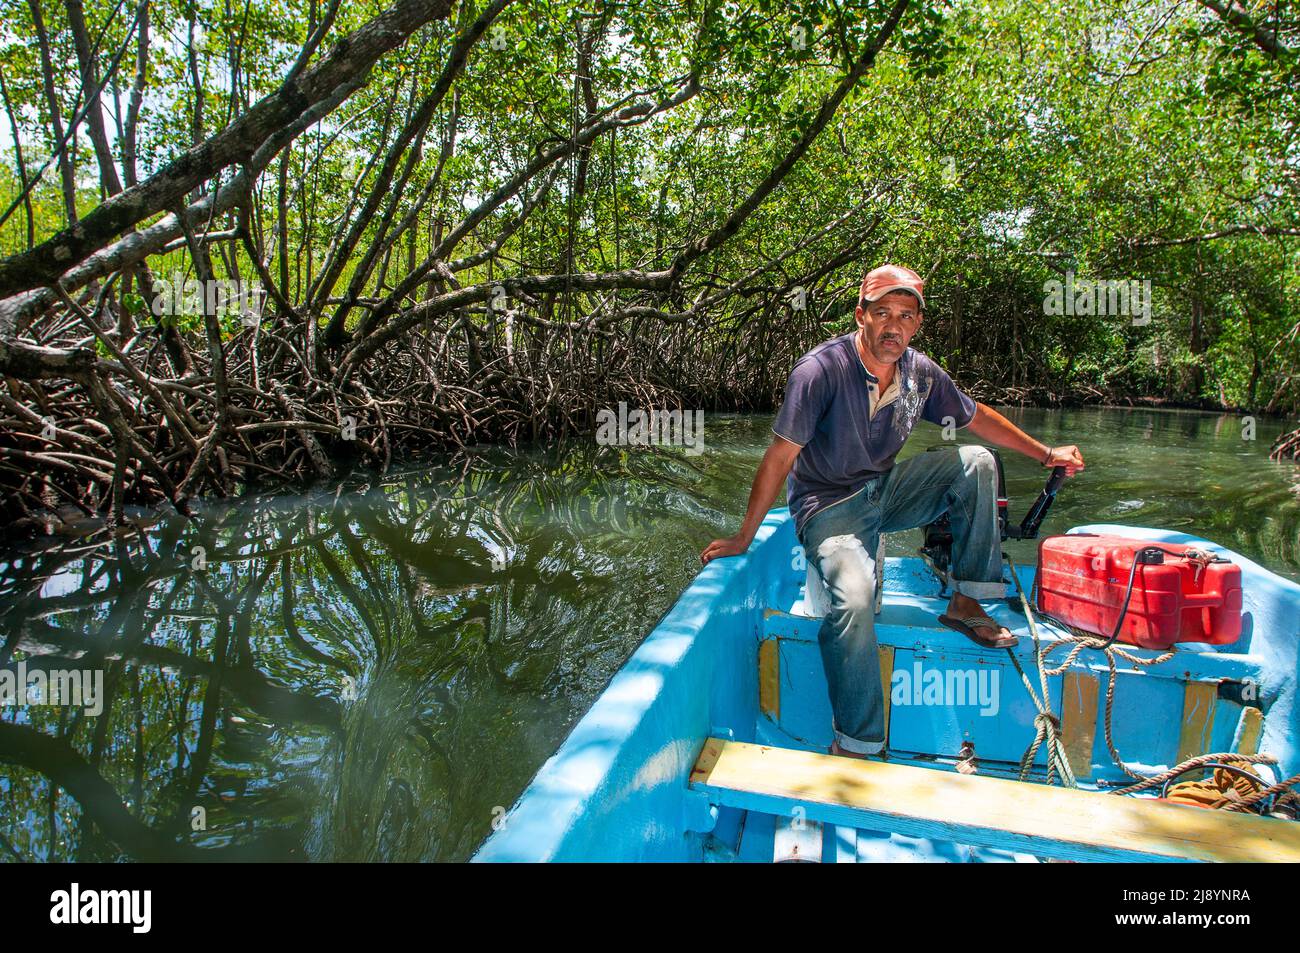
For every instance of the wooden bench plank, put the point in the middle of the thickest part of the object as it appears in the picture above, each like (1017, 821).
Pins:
(1079, 693)
(769, 678)
(1249, 730)
(1199, 700)
(982, 811)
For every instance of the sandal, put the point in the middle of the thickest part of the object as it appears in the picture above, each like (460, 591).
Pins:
(968, 626)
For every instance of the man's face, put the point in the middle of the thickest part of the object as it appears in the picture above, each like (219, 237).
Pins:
(888, 324)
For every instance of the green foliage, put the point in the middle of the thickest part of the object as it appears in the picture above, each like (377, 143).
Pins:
(996, 146)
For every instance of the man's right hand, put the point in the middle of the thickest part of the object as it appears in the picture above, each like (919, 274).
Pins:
(777, 461)
(731, 546)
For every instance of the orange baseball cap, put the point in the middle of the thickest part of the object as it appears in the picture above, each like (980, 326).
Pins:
(881, 281)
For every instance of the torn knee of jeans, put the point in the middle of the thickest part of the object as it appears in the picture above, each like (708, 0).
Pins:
(977, 459)
(838, 555)
(835, 545)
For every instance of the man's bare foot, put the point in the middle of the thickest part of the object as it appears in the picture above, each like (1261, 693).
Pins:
(968, 617)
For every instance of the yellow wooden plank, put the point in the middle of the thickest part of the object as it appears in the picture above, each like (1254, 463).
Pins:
(769, 678)
(708, 758)
(1199, 699)
(1079, 691)
(1252, 727)
(886, 654)
(951, 804)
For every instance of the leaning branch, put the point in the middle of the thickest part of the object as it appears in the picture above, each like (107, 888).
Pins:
(1236, 17)
(351, 57)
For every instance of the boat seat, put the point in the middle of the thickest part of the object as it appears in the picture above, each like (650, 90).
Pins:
(817, 601)
(981, 811)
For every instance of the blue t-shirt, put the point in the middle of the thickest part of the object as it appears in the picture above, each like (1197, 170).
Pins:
(827, 411)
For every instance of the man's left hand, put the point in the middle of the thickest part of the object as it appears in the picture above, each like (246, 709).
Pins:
(1068, 457)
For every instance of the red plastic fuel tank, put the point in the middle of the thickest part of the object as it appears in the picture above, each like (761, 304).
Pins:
(1189, 596)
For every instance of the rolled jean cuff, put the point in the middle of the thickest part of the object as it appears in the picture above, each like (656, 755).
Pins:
(858, 747)
(980, 590)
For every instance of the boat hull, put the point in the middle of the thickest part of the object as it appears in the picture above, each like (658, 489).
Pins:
(736, 659)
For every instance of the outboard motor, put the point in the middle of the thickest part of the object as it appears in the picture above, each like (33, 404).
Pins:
(937, 548)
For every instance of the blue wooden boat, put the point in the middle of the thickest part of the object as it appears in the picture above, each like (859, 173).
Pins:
(710, 743)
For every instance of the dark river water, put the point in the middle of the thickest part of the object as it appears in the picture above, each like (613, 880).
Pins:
(368, 672)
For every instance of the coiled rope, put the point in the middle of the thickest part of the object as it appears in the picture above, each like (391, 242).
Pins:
(1230, 757)
(1282, 788)
(1047, 727)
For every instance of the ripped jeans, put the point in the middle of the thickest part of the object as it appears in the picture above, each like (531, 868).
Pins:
(841, 541)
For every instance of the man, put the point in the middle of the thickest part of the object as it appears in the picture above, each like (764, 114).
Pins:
(850, 404)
